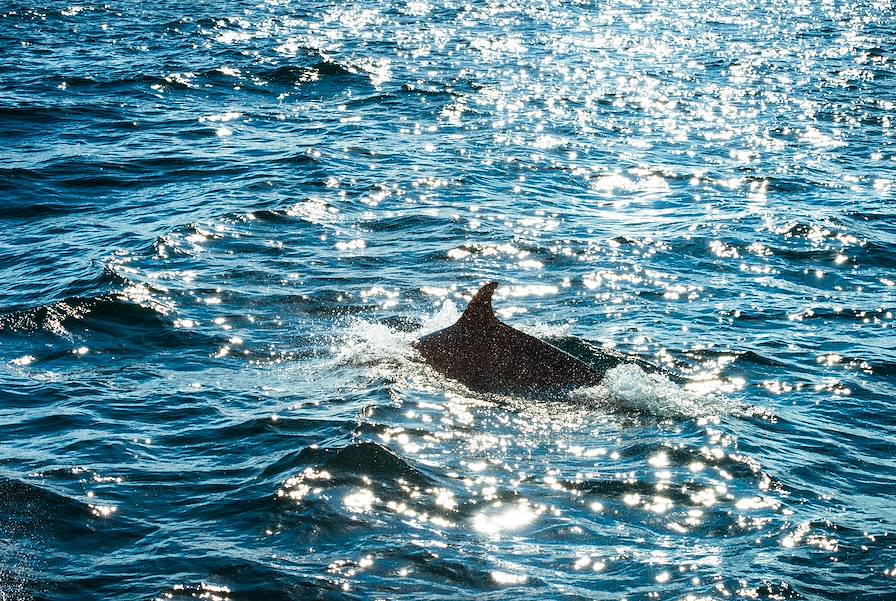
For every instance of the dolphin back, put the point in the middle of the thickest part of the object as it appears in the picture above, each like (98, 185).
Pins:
(487, 355)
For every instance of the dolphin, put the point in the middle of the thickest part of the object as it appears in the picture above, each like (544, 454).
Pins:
(486, 355)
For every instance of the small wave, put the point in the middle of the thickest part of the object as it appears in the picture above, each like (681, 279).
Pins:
(29, 511)
(364, 458)
(28, 114)
(24, 501)
(239, 579)
(357, 479)
(107, 322)
(327, 67)
(410, 221)
(203, 435)
(23, 209)
(427, 90)
(294, 75)
(105, 314)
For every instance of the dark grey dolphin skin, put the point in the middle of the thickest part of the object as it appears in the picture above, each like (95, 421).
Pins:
(489, 356)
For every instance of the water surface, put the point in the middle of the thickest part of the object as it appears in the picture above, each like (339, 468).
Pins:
(223, 224)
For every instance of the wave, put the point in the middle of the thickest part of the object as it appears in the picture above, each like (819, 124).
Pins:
(84, 174)
(35, 513)
(247, 580)
(203, 435)
(322, 72)
(24, 503)
(21, 117)
(365, 458)
(339, 489)
(106, 323)
(34, 205)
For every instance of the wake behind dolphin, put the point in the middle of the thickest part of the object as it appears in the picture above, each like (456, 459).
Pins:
(487, 355)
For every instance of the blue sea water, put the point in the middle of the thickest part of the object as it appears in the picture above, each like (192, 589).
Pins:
(223, 223)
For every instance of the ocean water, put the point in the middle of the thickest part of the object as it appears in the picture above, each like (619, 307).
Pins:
(224, 223)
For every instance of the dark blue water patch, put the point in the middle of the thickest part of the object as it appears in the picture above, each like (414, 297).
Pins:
(377, 100)
(759, 319)
(876, 253)
(281, 432)
(123, 85)
(28, 118)
(74, 181)
(292, 75)
(27, 506)
(36, 514)
(33, 200)
(256, 580)
(409, 218)
(247, 578)
(327, 300)
(295, 159)
(33, 282)
(883, 367)
(440, 576)
(46, 527)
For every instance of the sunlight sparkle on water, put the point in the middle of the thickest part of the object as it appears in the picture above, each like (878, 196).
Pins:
(702, 186)
(508, 578)
(360, 501)
(501, 519)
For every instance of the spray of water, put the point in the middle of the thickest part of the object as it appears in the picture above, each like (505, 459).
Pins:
(390, 354)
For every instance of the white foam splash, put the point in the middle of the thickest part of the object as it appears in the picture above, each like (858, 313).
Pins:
(388, 353)
(446, 316)
(629, 387)
(367, 342)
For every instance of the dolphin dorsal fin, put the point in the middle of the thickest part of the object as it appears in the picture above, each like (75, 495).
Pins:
(479, 311)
